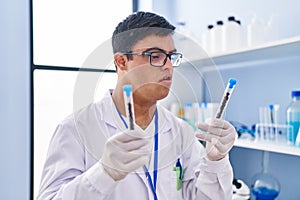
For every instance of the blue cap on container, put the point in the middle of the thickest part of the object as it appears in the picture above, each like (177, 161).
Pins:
(296, 93)
(202, 104)
(127, 89)
(232, 83)
(188, 104)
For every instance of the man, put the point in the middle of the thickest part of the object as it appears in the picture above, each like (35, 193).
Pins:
(93, 154)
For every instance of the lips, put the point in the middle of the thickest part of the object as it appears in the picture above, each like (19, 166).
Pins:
(166, 80)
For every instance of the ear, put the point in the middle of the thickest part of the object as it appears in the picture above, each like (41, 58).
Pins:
(121, 61)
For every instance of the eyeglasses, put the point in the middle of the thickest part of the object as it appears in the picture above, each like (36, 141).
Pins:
(159, 59)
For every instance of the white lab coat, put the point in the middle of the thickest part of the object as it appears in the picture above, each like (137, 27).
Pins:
(72, 170)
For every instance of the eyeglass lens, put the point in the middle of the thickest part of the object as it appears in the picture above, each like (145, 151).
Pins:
(160, 58)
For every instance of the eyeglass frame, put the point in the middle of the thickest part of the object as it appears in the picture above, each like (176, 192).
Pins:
(149, 53)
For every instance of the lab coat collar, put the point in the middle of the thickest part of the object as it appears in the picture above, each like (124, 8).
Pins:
(110, 113)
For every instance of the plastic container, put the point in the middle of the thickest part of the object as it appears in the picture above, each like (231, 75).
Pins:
(256, 32)
(293, 116)
(206, 39)
(174, 108)
(233, 35)
(217, 38)
(189, 113)
(243, 34)
(271, 31)
(183, 33)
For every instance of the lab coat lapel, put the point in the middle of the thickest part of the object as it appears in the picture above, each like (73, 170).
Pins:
(141, 174)
(110, 114)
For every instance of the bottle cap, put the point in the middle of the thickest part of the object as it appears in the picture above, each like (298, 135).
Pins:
(210, 26)
(188, 104)
(296, 93)
(231, 18)
(220, 22)
(181, 23)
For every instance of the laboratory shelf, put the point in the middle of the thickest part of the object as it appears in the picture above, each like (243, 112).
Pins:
(279, 49)
(268, 146)
(288, 48)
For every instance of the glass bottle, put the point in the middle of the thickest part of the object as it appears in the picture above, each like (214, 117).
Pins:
(265, 186)
(293, 116)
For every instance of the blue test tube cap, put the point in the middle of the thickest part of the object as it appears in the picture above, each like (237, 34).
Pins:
(127, 89)
(271, 107)
(232, 83)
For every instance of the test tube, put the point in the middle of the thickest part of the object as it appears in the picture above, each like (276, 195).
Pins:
(226, 96)
(271, 135)
(128, 101)
(263, 123)
(276, 119)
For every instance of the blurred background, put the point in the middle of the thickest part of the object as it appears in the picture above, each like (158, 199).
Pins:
(45, 45)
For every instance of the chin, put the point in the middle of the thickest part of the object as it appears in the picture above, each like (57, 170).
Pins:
(152, 92)
(162, 93)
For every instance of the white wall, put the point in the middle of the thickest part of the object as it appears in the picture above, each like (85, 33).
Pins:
(14, 99)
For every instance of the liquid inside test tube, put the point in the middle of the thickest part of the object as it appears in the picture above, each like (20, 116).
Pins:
(226, 96)
(128, 101)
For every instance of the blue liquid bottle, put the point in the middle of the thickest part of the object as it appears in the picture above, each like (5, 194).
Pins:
(293, 116)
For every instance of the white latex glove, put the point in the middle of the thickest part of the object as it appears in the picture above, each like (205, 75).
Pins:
(219, 136)
(125, 152)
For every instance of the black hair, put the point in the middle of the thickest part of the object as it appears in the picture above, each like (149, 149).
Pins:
(136, 27)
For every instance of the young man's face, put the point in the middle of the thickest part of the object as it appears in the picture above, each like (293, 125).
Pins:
(150, 83)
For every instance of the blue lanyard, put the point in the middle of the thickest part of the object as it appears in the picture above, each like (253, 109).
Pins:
(151, 184)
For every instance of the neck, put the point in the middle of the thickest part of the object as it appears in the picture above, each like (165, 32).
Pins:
(144, 115)
(143, 111)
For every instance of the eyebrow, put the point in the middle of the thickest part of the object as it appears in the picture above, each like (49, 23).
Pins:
(157, 48)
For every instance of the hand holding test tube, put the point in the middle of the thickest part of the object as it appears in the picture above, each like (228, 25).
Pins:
(219, 134)
(127, 150)
(128, 100)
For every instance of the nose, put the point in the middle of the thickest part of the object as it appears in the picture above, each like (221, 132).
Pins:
(168, 64)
